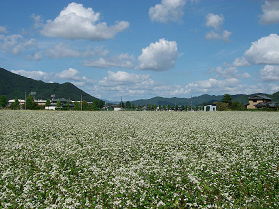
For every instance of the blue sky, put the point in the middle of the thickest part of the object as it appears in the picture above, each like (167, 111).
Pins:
(144, 48)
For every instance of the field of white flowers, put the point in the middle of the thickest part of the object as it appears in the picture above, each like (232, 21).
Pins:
(139, 159)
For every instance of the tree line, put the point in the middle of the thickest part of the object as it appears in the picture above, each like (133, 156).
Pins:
(32, 105)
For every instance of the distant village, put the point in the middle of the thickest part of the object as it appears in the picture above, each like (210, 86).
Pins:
(256, 102)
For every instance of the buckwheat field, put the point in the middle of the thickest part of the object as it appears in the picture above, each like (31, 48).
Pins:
(139, 159)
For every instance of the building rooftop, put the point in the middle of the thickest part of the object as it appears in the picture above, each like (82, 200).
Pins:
(260, 97)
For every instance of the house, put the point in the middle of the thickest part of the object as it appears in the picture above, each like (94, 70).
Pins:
(255, 100)
(40, 102)
(11, 101)
(210, 108)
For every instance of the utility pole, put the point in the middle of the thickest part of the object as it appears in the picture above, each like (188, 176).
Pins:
(81, 102)
(191, 102)
(25, 100)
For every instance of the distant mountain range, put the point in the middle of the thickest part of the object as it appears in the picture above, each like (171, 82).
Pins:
(14, 86)
(199, 100)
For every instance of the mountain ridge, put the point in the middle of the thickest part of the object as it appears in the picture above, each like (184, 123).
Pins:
(14, 86)
(199, 100)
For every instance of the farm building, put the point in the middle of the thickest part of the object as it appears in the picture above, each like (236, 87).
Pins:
(255, 101)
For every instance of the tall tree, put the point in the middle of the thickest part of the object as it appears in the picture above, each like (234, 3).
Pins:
(15, 105)
(76, 105)
(3, 101)
(48, 103)
(227, 99)
(58, 104)
(128, 105)
(30, 104)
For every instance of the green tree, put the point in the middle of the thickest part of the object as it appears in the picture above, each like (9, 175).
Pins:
(99, 104)
(237, 106)
(58, 104)
(128, 105)
(222, 106)
(48, 103)
(15, 105)
(227, 99)
(85, 105)
(30, 104)
(3, 101)
(76, 106)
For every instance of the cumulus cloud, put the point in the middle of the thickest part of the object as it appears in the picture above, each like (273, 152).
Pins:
(77, 22)
(264, 50)
(214, 20)
(270, 12)
(240, 62)
(230, 72)
(3, 29)
(121, 77)
(159, 56)
(15, 43)
(167, 11)
(270, 73)
(212, 35)
(122, 60)
(71, 74)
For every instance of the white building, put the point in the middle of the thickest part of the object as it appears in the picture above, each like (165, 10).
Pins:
(21, 101)
(209, 108)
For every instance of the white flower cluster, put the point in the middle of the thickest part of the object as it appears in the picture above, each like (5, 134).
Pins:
(139, 159)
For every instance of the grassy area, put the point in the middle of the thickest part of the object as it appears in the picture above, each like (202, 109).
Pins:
(139, 159)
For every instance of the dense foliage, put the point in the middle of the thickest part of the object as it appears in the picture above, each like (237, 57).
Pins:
(68, 159)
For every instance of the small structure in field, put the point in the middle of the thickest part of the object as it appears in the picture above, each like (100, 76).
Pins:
(50, 107)
(209, 108)
(117, 109)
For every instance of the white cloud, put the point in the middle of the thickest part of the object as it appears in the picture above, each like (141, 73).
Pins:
(129, 85)
(159, 56)
(270, 12)
(230, 72)
(122, 60)
(70, 74)
(37, 75)
(15, 43)
(35, 56)
(270, 73)
(3, 29)
(212, 35)
(78, 22)
(37, 19)
(214, 20)
(167, 11)
(61, 50)
(264, 50)
(121, 77)
(240, 62)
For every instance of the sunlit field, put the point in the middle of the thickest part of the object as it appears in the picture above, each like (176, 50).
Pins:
(139, 159)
